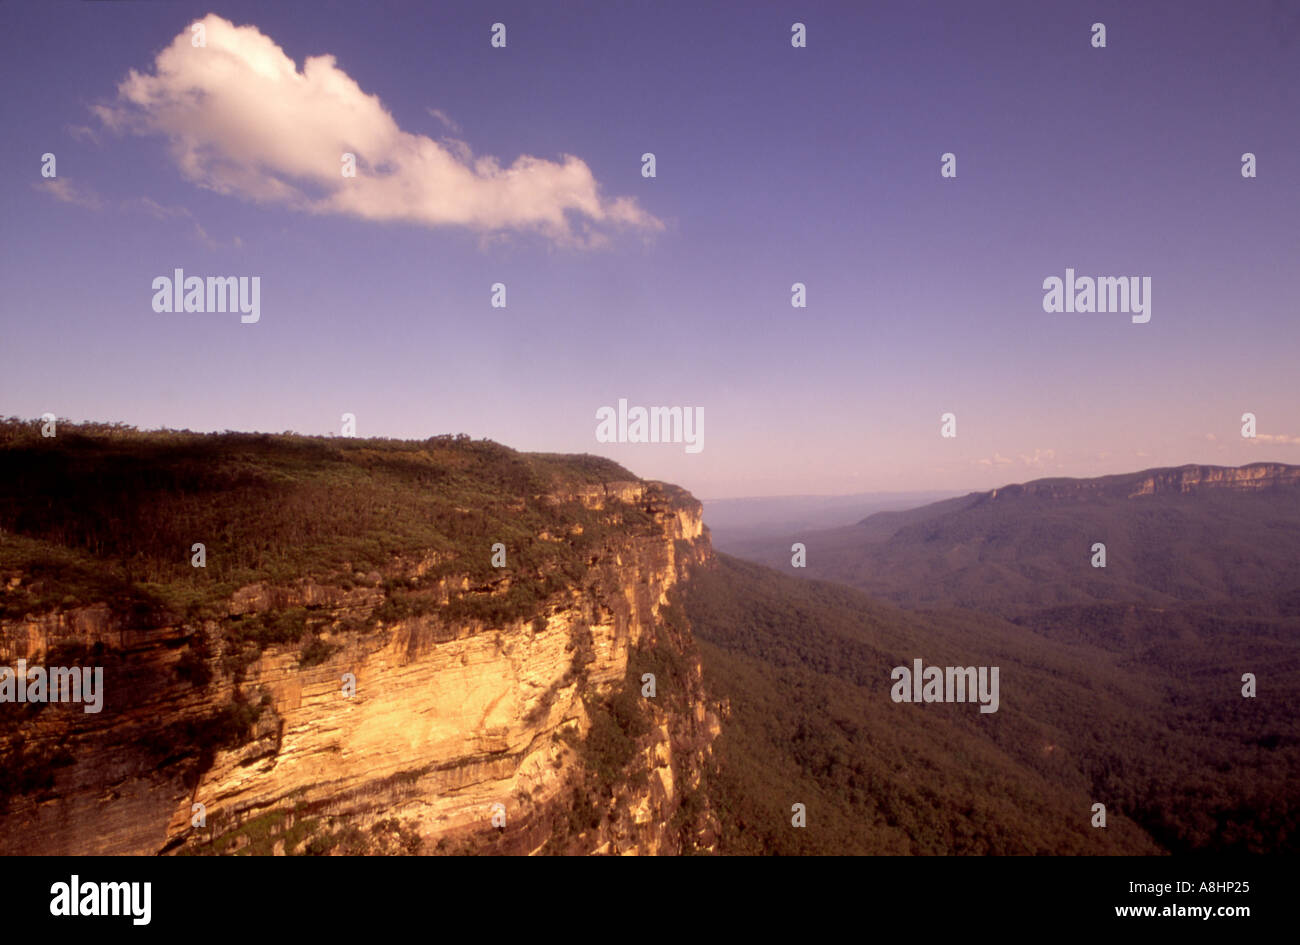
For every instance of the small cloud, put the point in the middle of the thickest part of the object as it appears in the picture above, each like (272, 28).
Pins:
(1211, 437)
(443, 117)
(83, 133)
(160, 212)
(1039, 459)
(110, 118)
(65, 191)
(1281, 439)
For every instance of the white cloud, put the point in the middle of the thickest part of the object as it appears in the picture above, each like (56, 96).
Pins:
(1280, 438)
(242, 119)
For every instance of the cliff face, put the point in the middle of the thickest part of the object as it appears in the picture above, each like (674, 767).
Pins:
(423, 733)
(1191, 479)
(1184, 480)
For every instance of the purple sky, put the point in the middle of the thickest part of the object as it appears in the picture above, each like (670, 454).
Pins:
(775, 165)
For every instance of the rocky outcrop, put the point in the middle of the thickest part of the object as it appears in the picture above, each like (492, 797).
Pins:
(419, 734)
(1192, 479)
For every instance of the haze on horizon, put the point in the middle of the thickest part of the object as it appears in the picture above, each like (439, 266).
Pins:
(522, 166)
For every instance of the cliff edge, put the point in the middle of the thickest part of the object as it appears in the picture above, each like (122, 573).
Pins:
(390, 647)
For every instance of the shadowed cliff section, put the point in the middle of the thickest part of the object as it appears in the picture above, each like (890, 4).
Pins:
(336, 559)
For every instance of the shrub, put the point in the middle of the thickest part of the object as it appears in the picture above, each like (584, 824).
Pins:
(316, 651)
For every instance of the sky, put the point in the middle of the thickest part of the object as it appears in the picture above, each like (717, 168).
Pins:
(522, 165)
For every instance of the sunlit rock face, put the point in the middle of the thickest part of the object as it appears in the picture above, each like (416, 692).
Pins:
(419, 735)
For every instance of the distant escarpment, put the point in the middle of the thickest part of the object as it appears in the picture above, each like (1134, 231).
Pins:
(1185, 480)
(1211, 535)
(313, 645)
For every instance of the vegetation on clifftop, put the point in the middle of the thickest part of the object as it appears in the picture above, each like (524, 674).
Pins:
(106, 512)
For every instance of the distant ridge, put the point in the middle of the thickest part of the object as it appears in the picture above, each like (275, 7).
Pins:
(1186, 479)
(1188, 534)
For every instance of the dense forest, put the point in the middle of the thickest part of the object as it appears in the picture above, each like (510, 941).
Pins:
(1122, 681)
(1160, 735)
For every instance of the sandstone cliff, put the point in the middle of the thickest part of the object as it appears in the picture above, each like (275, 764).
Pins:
(463, 734)
(1184, 480)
